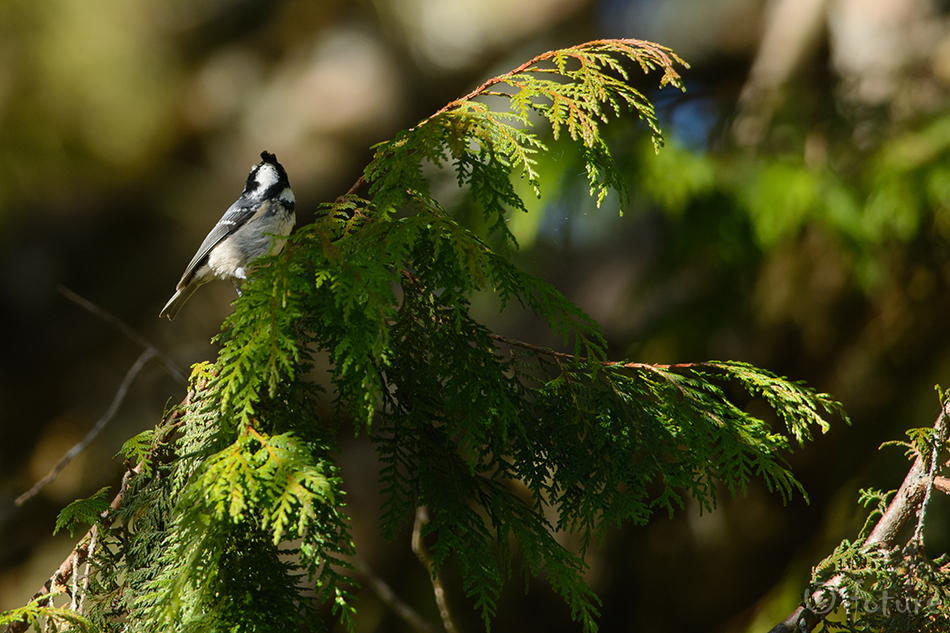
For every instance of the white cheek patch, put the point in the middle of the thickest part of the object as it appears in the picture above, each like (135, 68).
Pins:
(287, 195)
(266, 177)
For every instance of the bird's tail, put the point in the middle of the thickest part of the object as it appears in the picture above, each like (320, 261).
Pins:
(178, 300)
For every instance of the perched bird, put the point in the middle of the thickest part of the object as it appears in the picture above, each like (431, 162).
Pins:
(245, 231)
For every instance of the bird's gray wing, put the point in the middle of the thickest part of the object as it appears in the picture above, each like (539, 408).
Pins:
(236, 215)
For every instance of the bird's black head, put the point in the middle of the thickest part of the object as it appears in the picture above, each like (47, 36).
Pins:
(267, 179)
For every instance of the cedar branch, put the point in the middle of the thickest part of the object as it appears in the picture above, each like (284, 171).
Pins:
(901, 509)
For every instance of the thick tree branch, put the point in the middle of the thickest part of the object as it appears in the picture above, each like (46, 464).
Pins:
(903, 508)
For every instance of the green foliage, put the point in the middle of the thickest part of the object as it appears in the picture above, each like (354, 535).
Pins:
(138, 447)
(86, 511)
(236, 520)
(921, 442)
(896, 191)
(246, 486)
(37, 613)
(574, 89)
(797, 404)
(607, 439)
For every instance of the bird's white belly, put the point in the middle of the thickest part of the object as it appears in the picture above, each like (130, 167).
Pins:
(230, 257)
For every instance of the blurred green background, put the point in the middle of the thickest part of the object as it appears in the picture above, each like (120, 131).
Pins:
(798, 219)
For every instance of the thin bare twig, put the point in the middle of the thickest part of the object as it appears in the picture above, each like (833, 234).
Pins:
(546, 351)
(419, 548)
(150, 352)
(661, 53)
(117, 400)
(57, 583)
(89, 560)
(386, 594)
(176, 371)
(918, 540)
(74, 597)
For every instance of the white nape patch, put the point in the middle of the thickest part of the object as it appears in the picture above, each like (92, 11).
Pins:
(287, 195)
(266, 176)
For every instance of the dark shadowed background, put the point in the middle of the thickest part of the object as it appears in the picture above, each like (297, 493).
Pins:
(798, 219)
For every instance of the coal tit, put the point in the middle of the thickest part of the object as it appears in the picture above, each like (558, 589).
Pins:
(245, 231)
